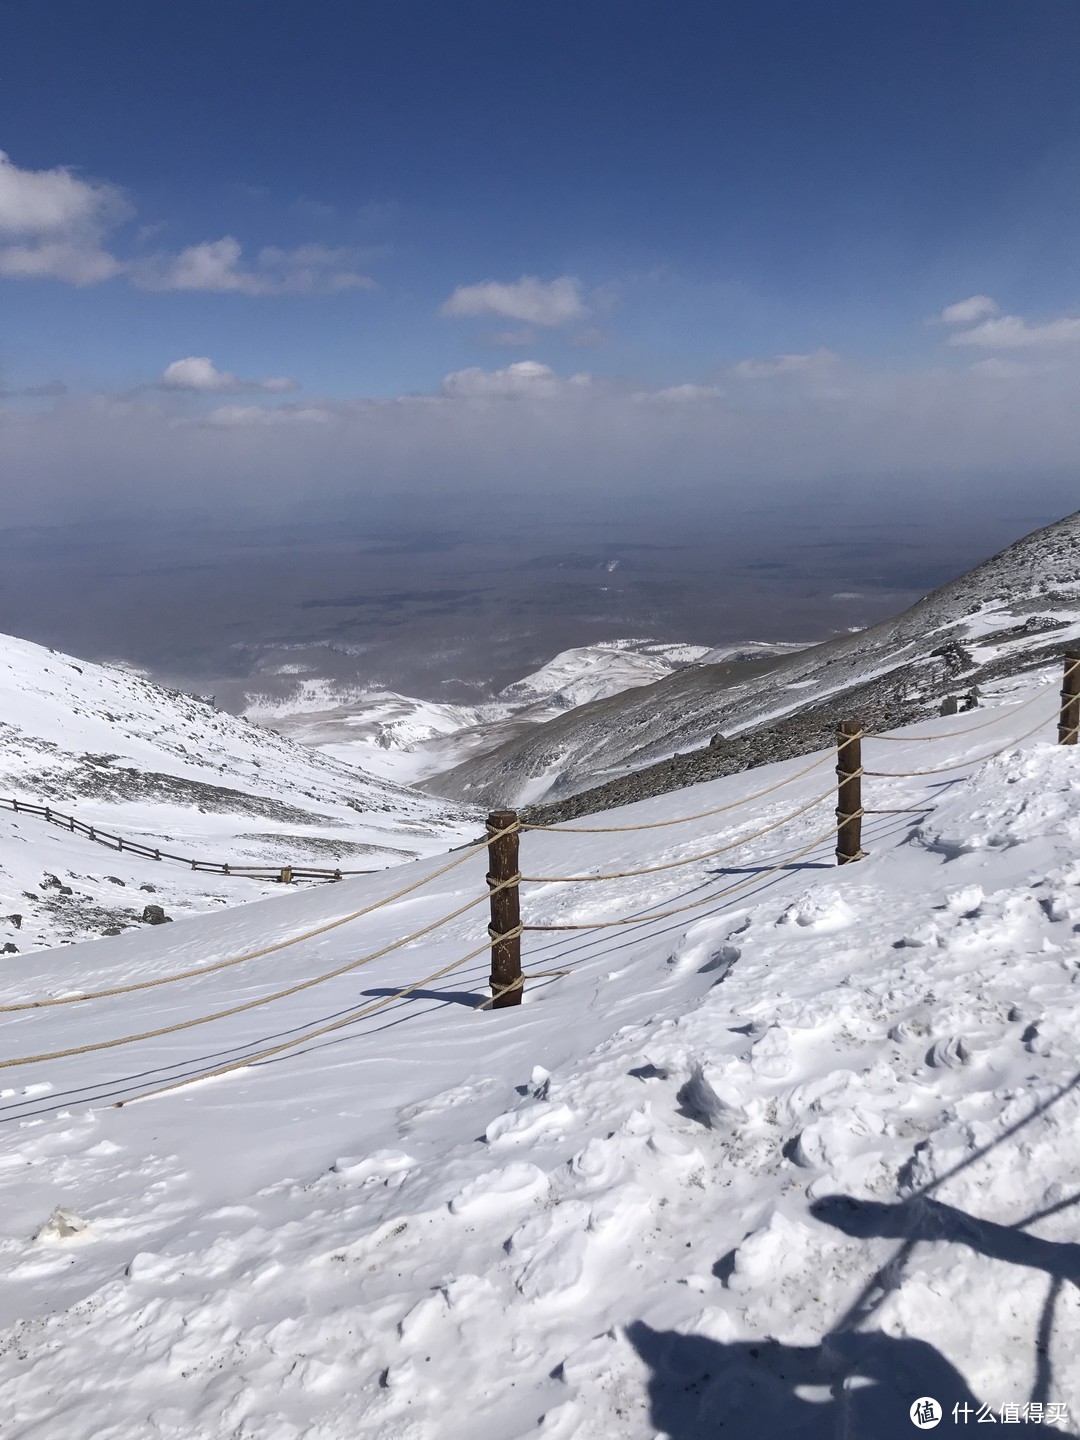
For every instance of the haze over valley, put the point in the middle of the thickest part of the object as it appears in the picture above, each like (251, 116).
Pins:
(457, 607)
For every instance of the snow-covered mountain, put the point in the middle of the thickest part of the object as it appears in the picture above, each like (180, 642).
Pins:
(169, 770)
(407, 739)
(1000, 618)
(777, 1166)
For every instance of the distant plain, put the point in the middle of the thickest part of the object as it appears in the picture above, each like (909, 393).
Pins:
(457, 601)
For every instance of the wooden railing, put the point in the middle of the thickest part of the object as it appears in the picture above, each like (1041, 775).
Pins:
(284, 874)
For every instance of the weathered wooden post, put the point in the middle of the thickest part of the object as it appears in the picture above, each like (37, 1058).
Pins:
(1069, 718)
(285, 878)
(505, 926)
(848, 792)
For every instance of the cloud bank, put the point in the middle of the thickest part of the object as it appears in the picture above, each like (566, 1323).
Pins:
(524, 430)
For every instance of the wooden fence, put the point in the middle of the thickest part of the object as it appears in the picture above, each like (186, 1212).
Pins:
(283, 874)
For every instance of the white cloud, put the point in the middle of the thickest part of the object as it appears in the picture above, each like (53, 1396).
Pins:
(536, 302)
(1012, 332)
(197, 372)
(54, 222)
(39, 203)
(217, 266)
(77, 262)
(966, 312)
(527, 379)
(816, 362)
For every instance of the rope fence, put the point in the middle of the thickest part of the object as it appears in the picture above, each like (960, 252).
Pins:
(505, 878)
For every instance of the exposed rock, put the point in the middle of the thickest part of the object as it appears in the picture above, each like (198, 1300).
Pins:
(62, 1224)
(155, 915)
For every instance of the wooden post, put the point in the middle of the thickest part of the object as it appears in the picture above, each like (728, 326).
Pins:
(286, 875)
(848, 792)
(505, 911)
(1069, 718)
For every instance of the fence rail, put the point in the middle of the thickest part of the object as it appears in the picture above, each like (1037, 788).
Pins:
(504, 879)
(284, 874)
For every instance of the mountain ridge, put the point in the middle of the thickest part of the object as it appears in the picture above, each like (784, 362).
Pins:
(972, 628)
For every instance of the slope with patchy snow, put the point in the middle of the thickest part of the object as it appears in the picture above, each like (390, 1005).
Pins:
(776, 1166)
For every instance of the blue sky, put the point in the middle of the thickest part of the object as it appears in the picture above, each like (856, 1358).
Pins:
(483, 200)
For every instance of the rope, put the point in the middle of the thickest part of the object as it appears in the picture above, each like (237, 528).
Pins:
(308, 1035)
(685, 819)
(961, 764)
(675, 864)
(518, 984)
(248, 1004)
(697, 904)
(993, 720)
(495, 936)
(255, 954)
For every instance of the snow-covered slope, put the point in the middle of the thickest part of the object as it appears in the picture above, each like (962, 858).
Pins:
(407, 740)
(1004, 615)
(775, 1166)
(593, 672)
(170, 771)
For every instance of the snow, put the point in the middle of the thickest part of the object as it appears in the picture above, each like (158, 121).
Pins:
(775, 1166)
(170, 771)
(407, 740)
(593, 672)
